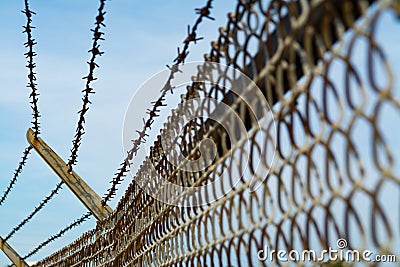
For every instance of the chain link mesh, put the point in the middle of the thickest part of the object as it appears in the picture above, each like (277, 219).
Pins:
(327, 181)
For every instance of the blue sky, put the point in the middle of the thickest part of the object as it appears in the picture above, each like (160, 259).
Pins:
(141, 38)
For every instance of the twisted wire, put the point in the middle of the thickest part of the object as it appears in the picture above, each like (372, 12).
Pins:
(30, 43)
(97, 35)
(17, 172)
(203, 12)
(95, 51)
(34, 95)
(54, 237)
(36, 210)
(295, 206)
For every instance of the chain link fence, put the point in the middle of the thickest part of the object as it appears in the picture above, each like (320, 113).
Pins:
(321, 170)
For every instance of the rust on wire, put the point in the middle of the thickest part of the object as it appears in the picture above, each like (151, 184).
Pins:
(52, 238)
(87, 196)
(203, 12)
(95, 52)
(97, 35)
(153, 113)
(31, 67)
(35, 210)
(17, 172)
(34, 95)
(298, 43)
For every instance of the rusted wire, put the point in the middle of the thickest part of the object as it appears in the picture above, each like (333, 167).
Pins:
(95, 51)
(97, 35)
(311, 179)
(203, 12)
(30, 43)
(54, 237)
(34, 95)
(35, 211)
(17, 172)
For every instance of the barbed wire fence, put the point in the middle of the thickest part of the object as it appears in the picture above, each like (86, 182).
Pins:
(296, 198)
(30, 56)
(297, 44)
(17, 172)
(97, 36)
(203, 12)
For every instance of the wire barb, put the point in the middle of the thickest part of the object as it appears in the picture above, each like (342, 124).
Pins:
(154, 112)
(30, 54)
(95, 51)
(17, 172)
(35, 211)
(34, 95)
(54, 237)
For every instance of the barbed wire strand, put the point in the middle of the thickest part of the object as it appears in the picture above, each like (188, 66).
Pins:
(97, 35)
(52, 238)
(177, 230)
(95, 51)
(17, 172)
(35, 211)
(30, 43)
(34, 95)
(204, 12)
